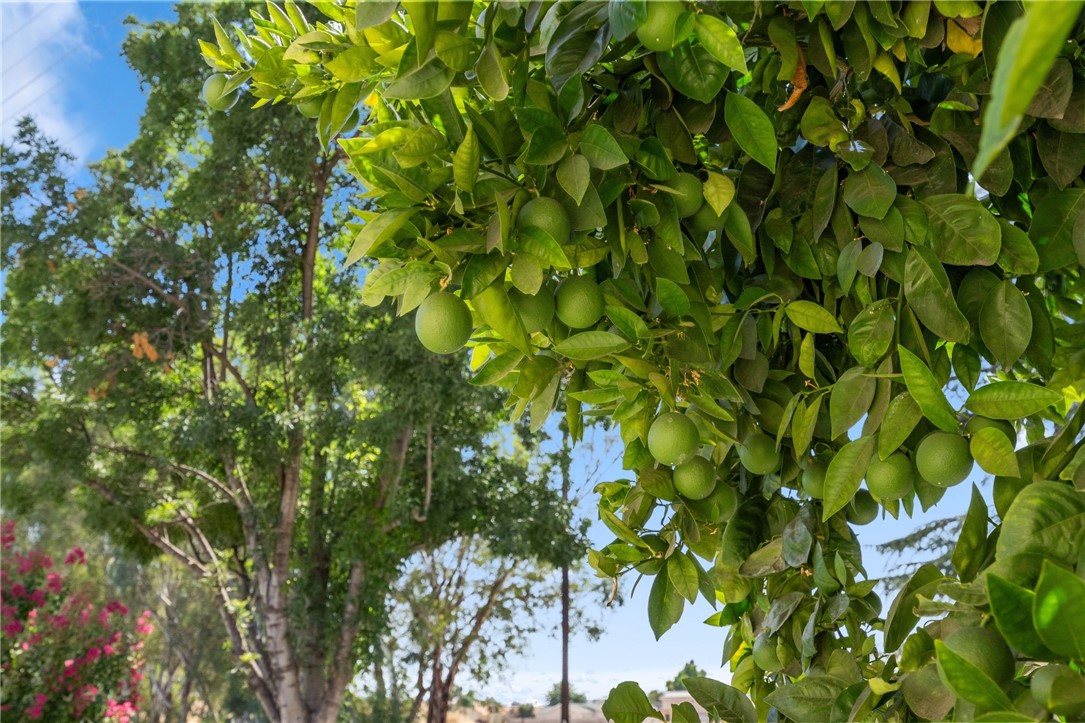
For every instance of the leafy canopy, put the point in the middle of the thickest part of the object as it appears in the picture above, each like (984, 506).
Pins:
(807, 222)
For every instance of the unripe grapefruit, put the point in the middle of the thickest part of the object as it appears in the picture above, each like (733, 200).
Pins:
(1043, 682)
(758, 453)
(764, 654)
(862, 509)
(547, 214)
(985, 649)
(214, 96)
(975, 424)
(943, 459)
(705, 219)
(695, 479)
(310, 107)
(579, 302)
(657, 31)
(673, 438)
(536, 310)
(891, 478)
(718, 507)
(813, 480)
(443, 323)
(690, 194)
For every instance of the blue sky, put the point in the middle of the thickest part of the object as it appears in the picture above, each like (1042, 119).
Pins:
(62, 63)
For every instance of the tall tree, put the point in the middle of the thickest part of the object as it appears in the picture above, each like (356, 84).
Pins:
(190, 363)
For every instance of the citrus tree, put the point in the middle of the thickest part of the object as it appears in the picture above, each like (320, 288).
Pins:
(785, 248)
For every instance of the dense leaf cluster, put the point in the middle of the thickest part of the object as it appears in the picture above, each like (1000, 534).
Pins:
(798, 225)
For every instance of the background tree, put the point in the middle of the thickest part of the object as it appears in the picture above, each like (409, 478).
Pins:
(553, 696)
(689, 670)
(175, 377)
(760, 238)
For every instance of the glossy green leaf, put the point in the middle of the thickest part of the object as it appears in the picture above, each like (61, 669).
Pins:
(377, 231)
(930, 296)
(901, 416)
(574, 175)
(1056, 611)
(850, 399)
(465, 162)
(871, 332)
(665, 604)
(962, 232)
(1011, 400)
(693, 71)
(752, 129)
(1011, 607)
(591, 345)
(1046, 518)
(971, 548)
(812, 317)
(627, 703)
(901, 617)
(721, 700)
(808, 699)
(870, 192)
(845, 474)
(926, 391)
(600, 148)
(1026, 54)
(720, 40)
(682, 574)
(495, 308)
(993, 451)
(968, 681)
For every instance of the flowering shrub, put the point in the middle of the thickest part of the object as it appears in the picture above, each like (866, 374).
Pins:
(64, 656)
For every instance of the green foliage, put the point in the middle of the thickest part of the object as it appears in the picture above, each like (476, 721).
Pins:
(186, 359)
(553, 696)
(889, 219)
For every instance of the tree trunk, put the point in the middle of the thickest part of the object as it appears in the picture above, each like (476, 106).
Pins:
(437, 710)
(565, 712)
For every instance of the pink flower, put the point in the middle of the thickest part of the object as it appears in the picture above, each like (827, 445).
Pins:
(13, 628)
(53, 582)
(93, 654)
(108, 649)
(75, 557)
(37, 597)
(33, 614)
(18, 590)
(7, 534)
(35, 711)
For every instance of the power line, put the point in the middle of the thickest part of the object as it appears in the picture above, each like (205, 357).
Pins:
(29, 104)
(7, 36)
(30, 82)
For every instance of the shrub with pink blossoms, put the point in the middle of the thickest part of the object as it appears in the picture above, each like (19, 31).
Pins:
(64, 656)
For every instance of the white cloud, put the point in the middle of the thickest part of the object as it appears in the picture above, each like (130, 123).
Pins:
(42, 41)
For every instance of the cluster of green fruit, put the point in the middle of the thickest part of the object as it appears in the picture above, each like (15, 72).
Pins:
(443, 322)
(216, 95)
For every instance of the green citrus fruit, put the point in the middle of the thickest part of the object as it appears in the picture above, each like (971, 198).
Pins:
(579, 302)
(813, 480)
(310, 107)
(719, 506)
(862, 509)
(975, 424)
(214, 96)
(758, 453)
(927, 695)
(690, 194)
(943, 459)
(695, 479)
(657, 30)
(673, 438)
(547, 214)
(985, 649)
(892, 478)
(536, 310)
(765, 655)
(705, 219)
(1047, 682)
(443, 323)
